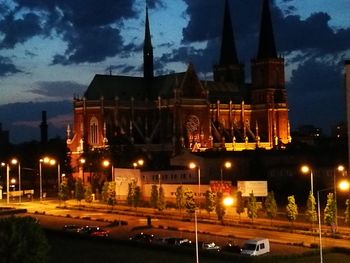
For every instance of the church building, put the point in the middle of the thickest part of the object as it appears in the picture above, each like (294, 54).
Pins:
(179, 111)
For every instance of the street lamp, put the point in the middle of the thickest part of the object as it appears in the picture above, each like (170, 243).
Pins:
(193, 165)
(344, 186)
(305, 170)
(341, 169)
(49, 161)
(14, 162)
(82, 162)
(107, 163)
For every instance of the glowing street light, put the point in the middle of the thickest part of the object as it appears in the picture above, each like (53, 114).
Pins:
(49, 161)
(305, 170)
(228, 201)
(16, 162)
(193, 165)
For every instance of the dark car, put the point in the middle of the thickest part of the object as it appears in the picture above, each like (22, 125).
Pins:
(93, 231)
(178, 241)
(232, 247)
(142, 237)
(71, 228)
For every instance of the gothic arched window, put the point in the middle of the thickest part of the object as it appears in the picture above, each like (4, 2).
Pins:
(93, 131)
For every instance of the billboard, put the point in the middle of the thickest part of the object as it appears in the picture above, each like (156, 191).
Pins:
(259, 188)
(221, 186)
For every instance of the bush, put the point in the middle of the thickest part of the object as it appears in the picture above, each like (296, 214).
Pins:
(22, 241)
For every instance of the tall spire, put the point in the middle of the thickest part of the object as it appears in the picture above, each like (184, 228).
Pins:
(267, 47)
(228, 54)
(147, 51)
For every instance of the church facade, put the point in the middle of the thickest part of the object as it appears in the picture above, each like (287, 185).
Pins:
(179, 111)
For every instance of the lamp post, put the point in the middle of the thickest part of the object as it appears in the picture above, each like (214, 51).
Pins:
(15, 161)
(305, 170)
(82, 162)
(7, 183)
(193, 165)
(196, 234)
(341, 169)
(344, 185)
(45, 160)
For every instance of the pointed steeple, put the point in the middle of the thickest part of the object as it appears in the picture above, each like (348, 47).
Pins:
(267, 47)
(147, 51)
(228, 69)
(228, 54)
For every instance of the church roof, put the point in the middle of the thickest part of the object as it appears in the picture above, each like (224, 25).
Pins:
(125, 87)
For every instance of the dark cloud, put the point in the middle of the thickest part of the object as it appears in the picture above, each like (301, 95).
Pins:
(155, 3)
(58, 89)
(312, 33)
(92, 30)
(19, 30)
(316, 94)
(7, 67)
(91, 45)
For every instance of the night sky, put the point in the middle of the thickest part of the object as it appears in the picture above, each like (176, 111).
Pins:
(51, 49)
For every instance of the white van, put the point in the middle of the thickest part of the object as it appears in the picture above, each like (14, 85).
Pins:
(256, 247)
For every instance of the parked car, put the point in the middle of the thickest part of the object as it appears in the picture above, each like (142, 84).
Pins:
(208, 246)
(142, 237)
(93, 231)
(232, 247)
(71, 228)
(256, 247)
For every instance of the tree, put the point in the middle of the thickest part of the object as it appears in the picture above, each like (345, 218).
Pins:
(240, 205)
(88, 193)
(219, 206)
(347, 211)
(63, 193)
(271, 206)
(22, 241)
(131, 194)
(79, 190)
(137, 196)
(161, 199)
(209, 201)
(330, 210)
(154, 196)
(291, 209)
(111, 194)
(104, 193)
(311, 213)
(180, 198)
(190, 204)
(252, 207)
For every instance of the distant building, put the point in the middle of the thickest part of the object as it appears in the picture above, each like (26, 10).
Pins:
(179, 111)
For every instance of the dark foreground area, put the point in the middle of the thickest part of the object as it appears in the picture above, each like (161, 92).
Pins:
(71, 248)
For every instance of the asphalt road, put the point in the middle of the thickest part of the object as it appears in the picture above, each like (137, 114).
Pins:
(281, 240)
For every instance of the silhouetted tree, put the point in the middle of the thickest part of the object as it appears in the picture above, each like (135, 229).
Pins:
(292, 209)
(219, 206)
(311, 213)
(271, 206)
(209, 201)
(161, 199)
(240, 205)
(190, 204)
(63, 193)
(137, 196)
(22, 241)
(330, 211)
(88, 193)
(154, 196)
(180, 198)
(252, 207)
(79, 190)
